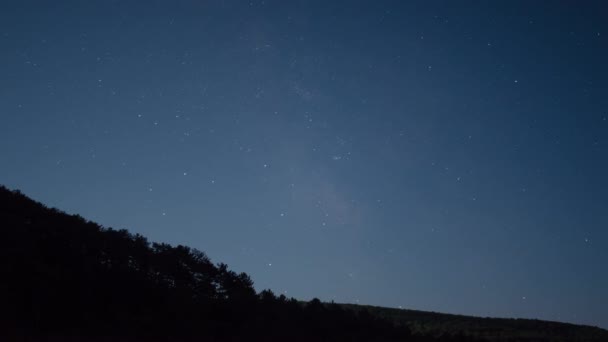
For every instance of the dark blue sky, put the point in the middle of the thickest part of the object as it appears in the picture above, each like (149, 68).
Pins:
(446, 156)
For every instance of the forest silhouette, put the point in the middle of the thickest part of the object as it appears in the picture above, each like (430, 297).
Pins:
(67, 278)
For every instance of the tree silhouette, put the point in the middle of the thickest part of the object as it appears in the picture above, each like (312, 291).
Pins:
(68, 278)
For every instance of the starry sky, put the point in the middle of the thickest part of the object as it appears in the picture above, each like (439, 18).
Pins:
(433, 155)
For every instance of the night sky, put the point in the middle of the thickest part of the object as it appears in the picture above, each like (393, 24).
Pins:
(446, 156)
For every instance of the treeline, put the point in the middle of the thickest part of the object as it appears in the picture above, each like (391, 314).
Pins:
(64, 276)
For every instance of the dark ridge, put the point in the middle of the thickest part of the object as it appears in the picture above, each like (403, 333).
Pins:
(488, 328)
(69, 279)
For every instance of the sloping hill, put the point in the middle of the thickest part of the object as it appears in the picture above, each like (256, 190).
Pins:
(70, 279)
(492, 329)
(66, 278)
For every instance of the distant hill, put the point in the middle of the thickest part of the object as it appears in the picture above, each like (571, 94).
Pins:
(490, 329)
(68, 279)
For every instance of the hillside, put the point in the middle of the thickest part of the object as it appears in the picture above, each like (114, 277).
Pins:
(66, 278)
(491, 329)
